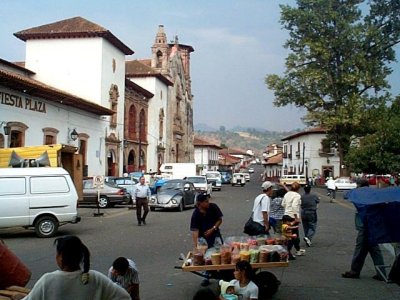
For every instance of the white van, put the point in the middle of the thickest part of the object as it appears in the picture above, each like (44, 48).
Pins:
(43, 198)
(289, 179)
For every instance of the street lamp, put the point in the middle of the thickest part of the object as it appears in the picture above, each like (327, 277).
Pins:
(7, 128)
(72, 135)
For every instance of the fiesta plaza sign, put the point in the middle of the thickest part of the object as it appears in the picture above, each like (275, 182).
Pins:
(22, 102)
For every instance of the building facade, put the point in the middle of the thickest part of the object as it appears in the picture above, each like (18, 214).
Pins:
(307, 153)
(39, 114)
(206, 155)
(87, 60)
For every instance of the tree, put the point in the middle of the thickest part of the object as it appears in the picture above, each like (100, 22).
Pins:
(338, 63)
(379, 151)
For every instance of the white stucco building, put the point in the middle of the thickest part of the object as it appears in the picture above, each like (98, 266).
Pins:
(38, 114)
(206, 155)
(88, 61)
(306, 153)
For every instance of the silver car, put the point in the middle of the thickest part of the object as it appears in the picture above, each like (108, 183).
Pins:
(110, 194)
(126, 183)
(176, 194)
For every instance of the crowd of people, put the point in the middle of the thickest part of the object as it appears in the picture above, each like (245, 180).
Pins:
(278, 209)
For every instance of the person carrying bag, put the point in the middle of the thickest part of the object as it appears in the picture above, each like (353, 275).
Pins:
(258, 222)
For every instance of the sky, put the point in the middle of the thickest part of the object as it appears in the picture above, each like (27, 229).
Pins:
(236, 44)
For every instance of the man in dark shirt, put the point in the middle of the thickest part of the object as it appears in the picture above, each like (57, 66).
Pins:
(205, 222)
(309, 204)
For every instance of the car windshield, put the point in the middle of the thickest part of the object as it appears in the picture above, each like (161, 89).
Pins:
(196, 179)
(172, 185)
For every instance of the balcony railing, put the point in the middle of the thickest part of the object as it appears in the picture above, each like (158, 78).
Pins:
(324, 152)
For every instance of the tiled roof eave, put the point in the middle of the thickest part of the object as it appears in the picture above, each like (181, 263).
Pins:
(37, 89)
(77, 34)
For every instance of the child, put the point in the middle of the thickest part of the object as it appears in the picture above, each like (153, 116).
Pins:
(287, 227)
(227, 290)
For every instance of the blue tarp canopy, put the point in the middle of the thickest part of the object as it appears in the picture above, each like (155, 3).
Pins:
(379, 210)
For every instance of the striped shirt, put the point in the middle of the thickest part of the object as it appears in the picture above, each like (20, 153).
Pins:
(130, 277)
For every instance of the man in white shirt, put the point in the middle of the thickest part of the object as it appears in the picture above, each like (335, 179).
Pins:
(261, 206)
(330, 184)
(141, 195)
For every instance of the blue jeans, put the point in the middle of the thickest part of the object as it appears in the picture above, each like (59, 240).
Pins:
(309, 220)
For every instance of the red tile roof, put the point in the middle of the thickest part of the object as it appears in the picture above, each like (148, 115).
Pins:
(136, 69)
(275, 160)
(77, 27)
(305, 132)
(203, 143)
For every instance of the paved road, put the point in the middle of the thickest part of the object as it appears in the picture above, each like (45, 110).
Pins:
(156, 248)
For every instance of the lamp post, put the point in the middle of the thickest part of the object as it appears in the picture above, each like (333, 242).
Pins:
(7, 131)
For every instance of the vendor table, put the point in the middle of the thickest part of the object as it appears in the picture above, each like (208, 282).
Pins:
(255, 266)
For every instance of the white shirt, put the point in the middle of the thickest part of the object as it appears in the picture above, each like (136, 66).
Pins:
(141, 191)
(331, 184)
(258, 209)
(62, 285)
(250, 291)
(291, 202)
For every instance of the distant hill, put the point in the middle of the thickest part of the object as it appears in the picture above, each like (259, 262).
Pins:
(243, 138)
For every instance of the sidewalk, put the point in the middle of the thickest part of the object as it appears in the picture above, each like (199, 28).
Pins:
(318, 274)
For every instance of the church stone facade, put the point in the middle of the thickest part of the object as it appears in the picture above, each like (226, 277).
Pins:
(173, 61)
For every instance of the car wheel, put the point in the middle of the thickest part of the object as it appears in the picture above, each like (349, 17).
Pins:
(242, 185)
(46, 227)
(233, 184)
(152, 208)
(103, 202)
(181, 206)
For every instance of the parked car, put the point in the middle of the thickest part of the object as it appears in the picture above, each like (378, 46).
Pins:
(174, 194)
(289, 179)
(110, 194)
(214, 177)
(126, 183)
(246, 176)
(200, 184)
(41, 198)
(238, 179)
(226, 177)
(251, 170)
(344, 183)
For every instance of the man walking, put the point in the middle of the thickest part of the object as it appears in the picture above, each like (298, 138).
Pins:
(142, 194)
(261, 207)
(309, 204)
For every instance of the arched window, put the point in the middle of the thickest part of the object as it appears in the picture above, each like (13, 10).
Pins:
(132, 123)
(159, 59)
(49, 136)
(17, 134)
(142, 125)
